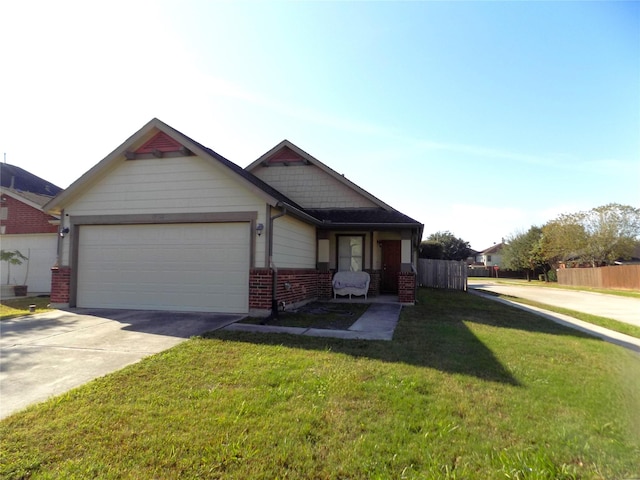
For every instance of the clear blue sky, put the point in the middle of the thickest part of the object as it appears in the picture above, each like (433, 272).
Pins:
(481, 118)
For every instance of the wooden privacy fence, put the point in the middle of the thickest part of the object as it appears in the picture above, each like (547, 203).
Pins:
(442, 274)
(625, 277)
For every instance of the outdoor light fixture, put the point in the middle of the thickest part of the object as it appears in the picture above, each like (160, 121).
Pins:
(259, 229)
(64, 231)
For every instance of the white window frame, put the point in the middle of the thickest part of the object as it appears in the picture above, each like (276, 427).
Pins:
(348, 257)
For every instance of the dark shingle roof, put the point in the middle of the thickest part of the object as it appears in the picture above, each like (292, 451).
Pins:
(356, 216)
(23, 181)
(493, 249)
(265, 187)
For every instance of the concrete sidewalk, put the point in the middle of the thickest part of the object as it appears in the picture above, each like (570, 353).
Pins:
(377, 323)
(622, 309)
(605, 334)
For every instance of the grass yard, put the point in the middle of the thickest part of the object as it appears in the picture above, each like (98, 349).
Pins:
(468, 388)
(16, 307)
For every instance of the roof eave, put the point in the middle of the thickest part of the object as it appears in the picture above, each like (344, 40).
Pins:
(372, 225)
(23, 199)
(63, 198)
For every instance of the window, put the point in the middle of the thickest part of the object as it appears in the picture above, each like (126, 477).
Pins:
(488, 258)
(350, 253)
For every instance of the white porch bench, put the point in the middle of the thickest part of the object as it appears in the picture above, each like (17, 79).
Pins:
(351, 283)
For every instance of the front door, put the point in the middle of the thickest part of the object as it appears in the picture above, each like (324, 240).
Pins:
(391, 250)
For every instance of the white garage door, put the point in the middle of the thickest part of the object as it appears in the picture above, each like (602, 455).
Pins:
(188, 267)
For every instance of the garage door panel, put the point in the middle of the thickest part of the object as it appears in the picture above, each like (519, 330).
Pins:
(198, 267)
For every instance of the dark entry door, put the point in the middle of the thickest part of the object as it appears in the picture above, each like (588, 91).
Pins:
(390, 266)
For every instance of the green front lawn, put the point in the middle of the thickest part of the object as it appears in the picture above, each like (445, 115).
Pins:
(468, 388)
(19, 306)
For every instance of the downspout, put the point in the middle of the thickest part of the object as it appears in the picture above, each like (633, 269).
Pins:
(60, 238)
(274, 268)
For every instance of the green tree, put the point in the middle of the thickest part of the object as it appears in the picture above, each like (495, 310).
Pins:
(431, 249)
(562, 240)
(612, 232)
(599, 236)
(12, 257)
(523, 251)
(453, 248)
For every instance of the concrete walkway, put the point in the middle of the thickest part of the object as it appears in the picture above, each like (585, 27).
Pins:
(605, 334)
(377, 323)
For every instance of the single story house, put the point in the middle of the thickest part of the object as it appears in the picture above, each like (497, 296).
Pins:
(166, 223)
(25, 227)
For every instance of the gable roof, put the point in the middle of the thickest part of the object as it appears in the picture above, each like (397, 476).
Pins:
(32, 199)
(19, 180)
(149, 140)
(492, 249)
(286, 152)
(158, 139)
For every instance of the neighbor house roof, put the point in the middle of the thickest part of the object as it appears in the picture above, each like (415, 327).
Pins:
(493, 249)
(19, 180)
(32, 199)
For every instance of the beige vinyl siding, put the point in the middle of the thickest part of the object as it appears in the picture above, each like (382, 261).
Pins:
(167, 186)
(294, 243)
(310, 187)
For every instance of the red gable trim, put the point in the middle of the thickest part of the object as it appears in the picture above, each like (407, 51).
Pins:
(161, 142)
(285, 156)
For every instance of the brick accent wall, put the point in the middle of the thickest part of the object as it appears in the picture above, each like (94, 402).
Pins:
(375, 277)
(23, 218)
(60, 284)
(296, 286)
(260, 289)
(407, 287)
(325, 290)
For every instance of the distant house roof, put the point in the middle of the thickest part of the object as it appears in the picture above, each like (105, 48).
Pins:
(493, 249)
(21, 181)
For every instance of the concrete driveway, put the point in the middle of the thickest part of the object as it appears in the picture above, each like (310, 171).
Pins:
(50, 353)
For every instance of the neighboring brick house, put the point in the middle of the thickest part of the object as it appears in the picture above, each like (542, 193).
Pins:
(166, 223)
(25, 227)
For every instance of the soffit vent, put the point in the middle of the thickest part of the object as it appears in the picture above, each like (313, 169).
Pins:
(285, 157)
(162, 143)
